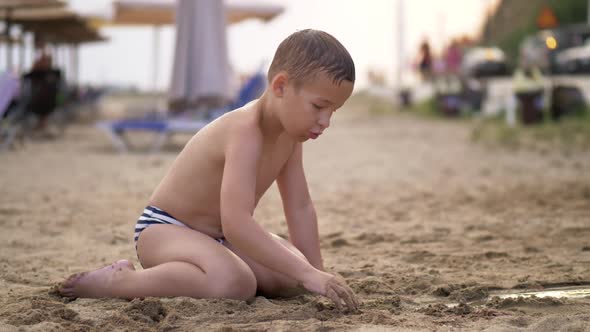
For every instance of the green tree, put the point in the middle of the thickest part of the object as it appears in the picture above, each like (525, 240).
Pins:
(516, 19)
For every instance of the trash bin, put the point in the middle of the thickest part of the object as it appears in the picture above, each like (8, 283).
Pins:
(530, 106)
(529, 90)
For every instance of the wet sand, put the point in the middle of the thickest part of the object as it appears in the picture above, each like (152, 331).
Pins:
(423, 224)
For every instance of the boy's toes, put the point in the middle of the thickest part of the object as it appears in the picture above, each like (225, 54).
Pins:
(67, 287)
(66, 292)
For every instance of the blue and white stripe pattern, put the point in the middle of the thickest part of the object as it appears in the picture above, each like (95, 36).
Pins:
(153, 216)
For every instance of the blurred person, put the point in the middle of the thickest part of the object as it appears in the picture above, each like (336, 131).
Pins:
(197, 236)
(44, 61)
(448, 94)
(453, 58)
(41, 86)
(425, 61)
(528, 85)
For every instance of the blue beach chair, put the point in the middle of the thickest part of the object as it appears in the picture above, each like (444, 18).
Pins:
(165, 127)
(9, 124)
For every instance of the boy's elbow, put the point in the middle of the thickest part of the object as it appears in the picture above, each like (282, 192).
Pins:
(233, 235)
(230, 224)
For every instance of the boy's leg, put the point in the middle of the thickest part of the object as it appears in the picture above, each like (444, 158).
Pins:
(178, 261)
(269, 282)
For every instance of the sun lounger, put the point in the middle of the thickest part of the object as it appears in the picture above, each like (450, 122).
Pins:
(165, 127)
(9, 86)
(162, 128)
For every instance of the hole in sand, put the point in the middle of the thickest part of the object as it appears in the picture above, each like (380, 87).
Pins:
(572, 292)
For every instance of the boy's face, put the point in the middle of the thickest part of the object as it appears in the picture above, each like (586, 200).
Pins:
(306, 110)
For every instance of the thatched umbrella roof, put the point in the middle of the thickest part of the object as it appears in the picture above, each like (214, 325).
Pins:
(16, 4)
(162, 12)
(57, 25)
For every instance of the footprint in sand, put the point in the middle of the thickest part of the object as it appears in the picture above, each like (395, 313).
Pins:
(150, 309)
(10, 211)
(576, 231)
(418, 256)
(374, 238)
(371, 285)
(338, 243)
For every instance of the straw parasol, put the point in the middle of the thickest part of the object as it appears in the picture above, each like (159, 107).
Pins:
(9, 6)
(57, 25)
(15, 4)
(162, 12)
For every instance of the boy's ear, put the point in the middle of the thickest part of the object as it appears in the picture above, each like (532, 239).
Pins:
(279, 83)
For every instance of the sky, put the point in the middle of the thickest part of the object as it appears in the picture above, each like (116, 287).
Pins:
(368, 29)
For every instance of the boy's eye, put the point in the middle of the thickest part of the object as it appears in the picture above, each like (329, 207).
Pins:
(317, 107)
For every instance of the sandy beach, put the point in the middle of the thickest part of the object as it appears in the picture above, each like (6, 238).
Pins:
(426, 226)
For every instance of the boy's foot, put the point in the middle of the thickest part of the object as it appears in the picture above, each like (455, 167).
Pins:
(94, 284)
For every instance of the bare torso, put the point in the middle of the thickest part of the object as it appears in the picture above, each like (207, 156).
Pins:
(190, 191)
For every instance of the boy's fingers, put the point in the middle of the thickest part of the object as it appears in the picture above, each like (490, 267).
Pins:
(353, 296)
(346, 296)
(348, 293)
(332, 295)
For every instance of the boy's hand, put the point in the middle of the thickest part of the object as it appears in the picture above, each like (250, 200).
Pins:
(333, 287)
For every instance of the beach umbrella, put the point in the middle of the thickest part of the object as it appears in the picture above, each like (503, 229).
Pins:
(58, 26)
(162, 12)
(7, 8)
(157, 13)
(201, 65)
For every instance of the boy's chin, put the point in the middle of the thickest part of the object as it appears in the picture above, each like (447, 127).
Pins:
(299, 138)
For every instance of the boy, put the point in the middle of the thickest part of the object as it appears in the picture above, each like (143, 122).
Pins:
(197, 237)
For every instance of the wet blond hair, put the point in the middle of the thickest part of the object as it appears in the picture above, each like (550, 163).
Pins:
(308, 52)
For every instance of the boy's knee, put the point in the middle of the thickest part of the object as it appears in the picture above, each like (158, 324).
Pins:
(237, 285)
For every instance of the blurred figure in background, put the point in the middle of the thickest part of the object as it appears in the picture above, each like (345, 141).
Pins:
(41, 86)
(44, 60)
(453, 58)
(425, 61)
(447, 80)
(528, 83)
(448, 93)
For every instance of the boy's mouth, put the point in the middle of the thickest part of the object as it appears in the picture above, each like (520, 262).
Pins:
(313, 135)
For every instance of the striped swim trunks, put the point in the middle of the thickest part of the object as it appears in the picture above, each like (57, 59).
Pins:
(154, 216)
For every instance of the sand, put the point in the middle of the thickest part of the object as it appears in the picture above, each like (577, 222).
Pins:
(412, 214)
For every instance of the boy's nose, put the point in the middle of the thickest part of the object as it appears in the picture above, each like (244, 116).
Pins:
(324, 121)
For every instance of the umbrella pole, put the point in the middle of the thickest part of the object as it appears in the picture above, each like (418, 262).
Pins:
(400, 48)
(7, 27)
(74, 63)
(21, 53)
(156, 58)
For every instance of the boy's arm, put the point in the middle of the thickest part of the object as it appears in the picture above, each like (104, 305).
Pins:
(238, 196)
(238, 190)
(299, 209)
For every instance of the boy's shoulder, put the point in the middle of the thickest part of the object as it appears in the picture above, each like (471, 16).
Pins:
(245, 118)
(239, 125)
